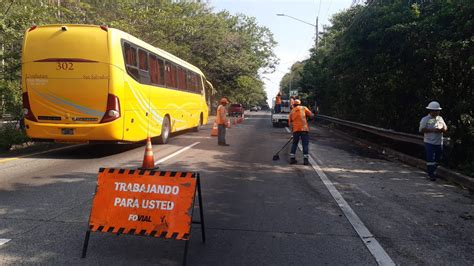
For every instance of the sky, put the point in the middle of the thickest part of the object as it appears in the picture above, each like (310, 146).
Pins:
(294, 38)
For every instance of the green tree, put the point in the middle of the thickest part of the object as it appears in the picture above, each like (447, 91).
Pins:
(230, 49)
(381, 63)
(291, 80)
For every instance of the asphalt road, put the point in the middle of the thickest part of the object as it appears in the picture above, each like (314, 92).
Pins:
(257, 211)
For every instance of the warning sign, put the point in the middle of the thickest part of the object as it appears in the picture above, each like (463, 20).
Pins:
(143, 202)
(146, 203)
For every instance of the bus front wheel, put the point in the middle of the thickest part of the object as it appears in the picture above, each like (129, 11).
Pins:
(165, 131)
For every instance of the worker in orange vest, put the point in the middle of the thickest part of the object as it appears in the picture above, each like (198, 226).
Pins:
(278, 103)
(297, 120)
(221, 120)
(292, 102)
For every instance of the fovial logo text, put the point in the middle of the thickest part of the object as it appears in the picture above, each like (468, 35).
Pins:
(139, 218)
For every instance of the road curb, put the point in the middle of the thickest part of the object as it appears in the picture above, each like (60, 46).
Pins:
(447, 174)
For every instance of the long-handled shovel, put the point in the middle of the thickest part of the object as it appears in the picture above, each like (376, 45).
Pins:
(276, 156)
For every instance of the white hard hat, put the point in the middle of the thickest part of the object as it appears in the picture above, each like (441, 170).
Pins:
(434, 106)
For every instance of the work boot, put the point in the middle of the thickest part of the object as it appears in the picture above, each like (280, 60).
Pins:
(293, 161)
(306, 161)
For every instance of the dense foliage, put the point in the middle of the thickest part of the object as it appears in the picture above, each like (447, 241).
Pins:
(291, 80)
(231, 50)
(381, 63)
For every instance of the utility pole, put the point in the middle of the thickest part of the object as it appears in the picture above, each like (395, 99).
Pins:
(317, 35)
(316, 38)
(59, 9)
(3, 58)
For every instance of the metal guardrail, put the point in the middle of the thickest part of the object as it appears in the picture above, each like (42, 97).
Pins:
(6, 117)
(460, 179)
(388, 133)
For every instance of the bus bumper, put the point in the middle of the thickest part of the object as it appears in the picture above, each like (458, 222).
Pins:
(112, 131)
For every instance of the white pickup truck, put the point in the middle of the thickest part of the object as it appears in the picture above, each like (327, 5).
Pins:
(281, 119)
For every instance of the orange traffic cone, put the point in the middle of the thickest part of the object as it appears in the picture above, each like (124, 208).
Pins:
(227, 124)
(148, 160)
(235, 121)
(214, 130)
(239, 120)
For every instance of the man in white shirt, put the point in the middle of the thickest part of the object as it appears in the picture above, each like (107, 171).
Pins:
(433, 127)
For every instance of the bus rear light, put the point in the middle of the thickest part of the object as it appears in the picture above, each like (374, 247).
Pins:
(104, 27)
(27, 109)
(113, 109)
(32, 28)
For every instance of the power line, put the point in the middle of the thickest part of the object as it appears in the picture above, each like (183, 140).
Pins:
(327, 11)
(319, 9)
(359, 16)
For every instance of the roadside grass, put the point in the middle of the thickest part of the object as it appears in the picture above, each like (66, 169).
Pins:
(15, 142)
(11, 135)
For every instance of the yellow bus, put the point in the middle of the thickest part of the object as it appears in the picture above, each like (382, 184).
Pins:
(85, 83)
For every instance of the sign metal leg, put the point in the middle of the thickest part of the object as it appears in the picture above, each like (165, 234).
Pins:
(86, 243)
(185, 255)
(201, 210)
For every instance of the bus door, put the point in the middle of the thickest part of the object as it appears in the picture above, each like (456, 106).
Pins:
(137, 94)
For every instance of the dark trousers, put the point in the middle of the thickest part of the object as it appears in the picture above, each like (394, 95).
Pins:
(220, 134)
(277, 108)
(433, 157)
(304, 140)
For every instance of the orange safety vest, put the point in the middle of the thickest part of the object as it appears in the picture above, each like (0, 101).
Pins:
(278, 100)
(297, 118)
(221, 115)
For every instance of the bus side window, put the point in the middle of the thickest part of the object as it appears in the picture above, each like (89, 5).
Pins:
(200, 85)
(142, 60)
(190, 82)
(154, 69)
(181, 78)
(131, 60)
(157, 70)
(161, 66)
(143, 66)
(194, 79)
(173, 74)
(168, 74)
(130, 55)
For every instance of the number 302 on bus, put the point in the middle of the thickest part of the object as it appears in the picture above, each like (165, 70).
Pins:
(65, 66)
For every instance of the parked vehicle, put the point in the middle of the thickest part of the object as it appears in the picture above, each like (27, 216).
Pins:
(236, 109)
(279, 119)
(254, 109)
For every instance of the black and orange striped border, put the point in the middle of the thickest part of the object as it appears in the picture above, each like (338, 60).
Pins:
(133, 231)
(141, 172)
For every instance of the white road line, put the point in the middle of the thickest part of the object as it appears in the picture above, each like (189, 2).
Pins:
(176, 153)
(365, 235)
(192, 137)
(4, 241)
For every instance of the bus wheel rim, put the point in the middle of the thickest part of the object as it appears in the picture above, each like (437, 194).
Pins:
(166, 131)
